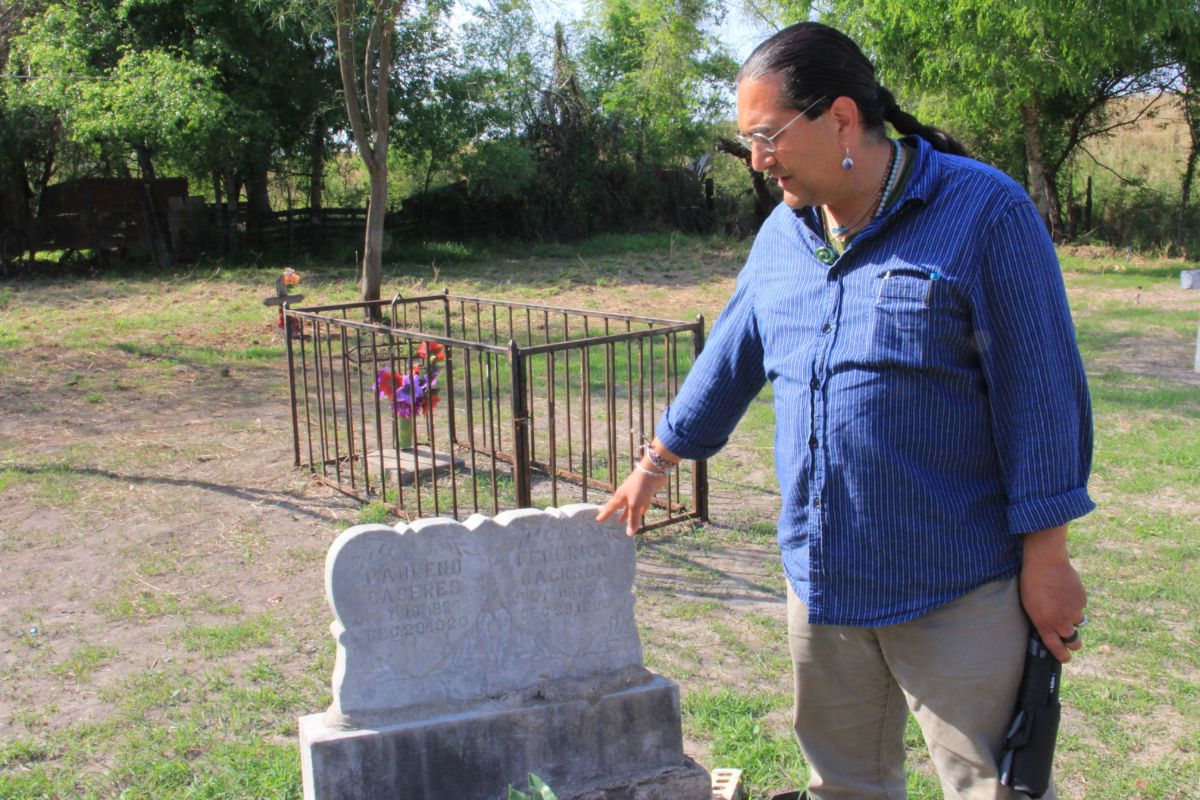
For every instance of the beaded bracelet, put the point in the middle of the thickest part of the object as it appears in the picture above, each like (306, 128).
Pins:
(640, 468)
(661, 464)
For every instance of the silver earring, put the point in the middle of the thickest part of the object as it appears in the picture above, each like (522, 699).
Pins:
(847, 161)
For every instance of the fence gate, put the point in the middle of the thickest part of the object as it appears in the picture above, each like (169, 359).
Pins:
(455, 405)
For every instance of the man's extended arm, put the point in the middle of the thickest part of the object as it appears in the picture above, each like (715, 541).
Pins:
(633, 497)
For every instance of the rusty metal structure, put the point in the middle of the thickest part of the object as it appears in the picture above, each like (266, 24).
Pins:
(508, 405)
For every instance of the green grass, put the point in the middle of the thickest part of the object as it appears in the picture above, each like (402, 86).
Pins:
(734, 725)
(215, 716)
(212, 641)
(373, 514)
(54, 484)
(172, 734)
(83, 662)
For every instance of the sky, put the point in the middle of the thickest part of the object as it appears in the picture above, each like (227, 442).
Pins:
(738, 32)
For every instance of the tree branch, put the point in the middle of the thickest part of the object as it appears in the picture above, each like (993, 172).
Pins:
(369, 54)
(382, 116)
(1125, 181)
(343, 11)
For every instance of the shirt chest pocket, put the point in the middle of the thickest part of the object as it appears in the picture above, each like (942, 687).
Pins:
(915, 321)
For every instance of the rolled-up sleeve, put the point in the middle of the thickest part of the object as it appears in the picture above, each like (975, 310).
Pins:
(725, 378)
(1037, 390)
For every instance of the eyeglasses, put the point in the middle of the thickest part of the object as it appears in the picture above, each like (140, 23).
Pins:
(766, 143)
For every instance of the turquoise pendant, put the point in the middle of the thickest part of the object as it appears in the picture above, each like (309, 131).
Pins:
(826, 255)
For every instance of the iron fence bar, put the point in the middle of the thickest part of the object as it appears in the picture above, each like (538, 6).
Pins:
(662, 523)
(498, 431)
(489, 376)
(362, 416)
(676, 478)
(363, 304)
(551, 413)
(378, 427)
(430, 429)
(291, 362)
(666, 396)
(585, 397)
(642, 389)
(392, 310)
(412, 334)
(350, 458)
(485, 398)
(520, 425)
(332, 415)
(615, 337)
(470, 412)
(596, 483)
(410, 421)
(567, 392)
(653, 410)
(629, 394)
(350, 491)
(576, 311)
(307, 412)
(530, 405)
(610, 403)
(450, 403)
(395, 423)
(319, 380)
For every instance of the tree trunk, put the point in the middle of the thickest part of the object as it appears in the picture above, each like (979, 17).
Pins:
(1190, 109)
(372, 263)
(145, 163)
(763, 201)
(14, 196)
(316, 186)
(367, 108)
(258, 198)
(232, 192)
(316, 175)
(1041, 184)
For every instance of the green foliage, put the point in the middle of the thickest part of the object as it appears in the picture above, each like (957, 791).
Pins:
(659, 73)
(503, 67)
(979, 68)
(499, 168)
(202, 88)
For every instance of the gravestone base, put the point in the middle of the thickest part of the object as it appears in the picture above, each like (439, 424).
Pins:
(620, 745)
(403, 470)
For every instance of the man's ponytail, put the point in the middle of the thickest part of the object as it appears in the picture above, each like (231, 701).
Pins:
(906, 124)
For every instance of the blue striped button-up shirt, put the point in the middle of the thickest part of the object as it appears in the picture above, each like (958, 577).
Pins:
(930, 401)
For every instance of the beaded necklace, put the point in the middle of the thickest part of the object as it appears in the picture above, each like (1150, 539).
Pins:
(842, 233)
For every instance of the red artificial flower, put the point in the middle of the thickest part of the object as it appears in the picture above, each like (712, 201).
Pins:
(385, 384)
(431, 351)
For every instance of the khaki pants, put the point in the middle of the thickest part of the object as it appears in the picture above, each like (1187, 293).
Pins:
(957, 669)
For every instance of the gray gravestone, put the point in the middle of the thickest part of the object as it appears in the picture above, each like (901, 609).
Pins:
(469, 655)
(1190, 279)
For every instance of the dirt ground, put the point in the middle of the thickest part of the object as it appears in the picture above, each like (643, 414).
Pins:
(150, 493)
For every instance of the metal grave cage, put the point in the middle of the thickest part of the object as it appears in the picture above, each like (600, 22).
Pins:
(453, 405)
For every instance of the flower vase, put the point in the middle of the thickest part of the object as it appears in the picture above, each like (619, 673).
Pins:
(405, 433)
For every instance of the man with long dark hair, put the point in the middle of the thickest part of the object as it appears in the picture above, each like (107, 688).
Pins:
(934, 430)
